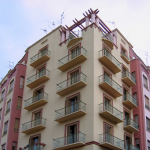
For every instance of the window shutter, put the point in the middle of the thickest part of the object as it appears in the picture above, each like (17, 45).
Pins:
(16, 123)
(19, 101)
(136, 118)
(21, 81)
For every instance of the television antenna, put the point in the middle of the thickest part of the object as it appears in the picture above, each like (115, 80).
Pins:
(62, 17)
(45, 30)
(111, 23)
(53, 23)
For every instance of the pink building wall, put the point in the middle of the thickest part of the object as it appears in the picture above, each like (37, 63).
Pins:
(18, 71)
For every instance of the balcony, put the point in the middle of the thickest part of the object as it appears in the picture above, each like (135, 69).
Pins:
(36, 101)
(128, 79)
(129, 101)
(71, 84)
(72, 39)
(111, 113)
(38, 78)
(110, 86)
(34, 125)
(111, 142)
(35, 147)
(125, 57)
(107, 39)
(130, 147)
(72, 59)
(68, 142)
(107, 59)
(70, 112)
(131, 125)
(40, 58)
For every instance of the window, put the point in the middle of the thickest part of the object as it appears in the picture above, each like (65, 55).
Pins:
(108, 133)
(14, 146)
(43, 52)
(127, 142)
(135, 95)
(16, 125)
(75, 52)
(21, 81)
(37, 118)
(8, 106)
(72, 134)
(72, 104)
(136, 118)
(3, 94)
(11, 86)
(5, 128)
(146, 102)
(137, 143)
(107, 77)
(133, 74)
(41, 72)
(148, 124)
(3, 146)
(145, 82)
(127, 117)
(38, 95)
(0, 113)
(125, 94)
(19, 103)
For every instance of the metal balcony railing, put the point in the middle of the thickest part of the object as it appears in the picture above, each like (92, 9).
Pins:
(5, 132)
(130, 147)
(105, 52)
(111, 82)
(124, 54)
(70, 109)
(108, 138)
(71, 139)
(35, 147)
(33, 123)
(71, 81)
(107, 36)
(148, 129)
(1, 99)
(73, 36)
(131, 123)
(73, 55)
(8, 110)
(130, 98)
(129, 75)
(35, 99)
(39, 55)
(107, 107)
(38, 75)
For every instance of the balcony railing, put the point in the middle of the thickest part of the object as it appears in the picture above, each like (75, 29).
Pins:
(110, 139)
(68, 140)
(35, 147)
(73, 55)
(130, 122)
(71, 81)
(5, 132)
(106, 53)
(39, 55)
(33, 123)
(107, 107)
(72, 36)
(79, 106)
(130, 98)
(107, 36)
(129, 75)
(1, 99)
(126, 57)
(111, 82)
(35, 99)
(130, 147)
(8, 110)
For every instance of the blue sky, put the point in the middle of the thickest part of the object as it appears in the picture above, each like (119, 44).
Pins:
(21, 22)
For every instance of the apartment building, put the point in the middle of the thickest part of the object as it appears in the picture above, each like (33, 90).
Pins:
(11, 93)
(141, 90)
(77, 92)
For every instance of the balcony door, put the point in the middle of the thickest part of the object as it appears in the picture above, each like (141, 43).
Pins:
(33, 143)
(72, 104)
(127, 117)
(43, 52)
(107, 78)
(108, 105)
(75, 52)
(74, 77)
(37, 119)
(128, 142)
(108, 134)
(125, 92)
(41, 72)
(72, 134)
(38, 95)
